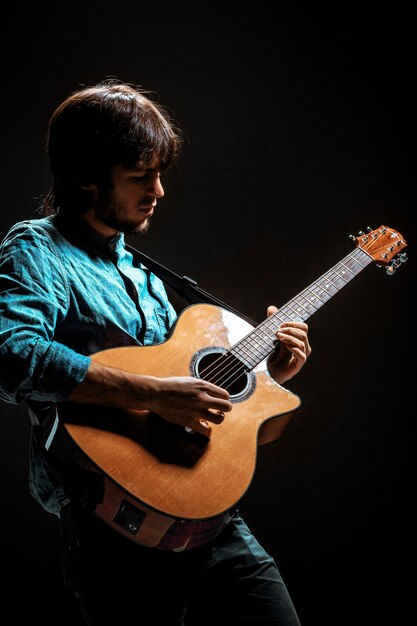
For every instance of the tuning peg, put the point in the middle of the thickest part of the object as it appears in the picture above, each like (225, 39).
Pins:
(390, 269)
(403, 257)
(369, 229)
(352, 237)
(360, 233)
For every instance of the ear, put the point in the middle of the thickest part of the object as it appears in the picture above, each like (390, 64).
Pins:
(89, 187)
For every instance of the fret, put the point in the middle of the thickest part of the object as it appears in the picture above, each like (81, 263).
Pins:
(331, 280)
(250, 352)
(307, 306)
(345, 265)
(324, 296)
(290, 312)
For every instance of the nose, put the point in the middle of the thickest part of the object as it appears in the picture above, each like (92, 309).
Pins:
(156, 186)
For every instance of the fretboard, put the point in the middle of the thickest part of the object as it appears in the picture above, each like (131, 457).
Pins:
(261, 342)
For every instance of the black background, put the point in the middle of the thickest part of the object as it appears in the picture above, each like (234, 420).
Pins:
(299, 130)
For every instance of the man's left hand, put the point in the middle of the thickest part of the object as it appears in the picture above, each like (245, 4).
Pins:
(293, 349)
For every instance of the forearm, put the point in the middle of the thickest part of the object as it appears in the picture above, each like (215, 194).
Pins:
(185, 400)
(111, 386)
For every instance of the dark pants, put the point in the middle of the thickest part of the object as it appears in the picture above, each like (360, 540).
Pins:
(231, 580)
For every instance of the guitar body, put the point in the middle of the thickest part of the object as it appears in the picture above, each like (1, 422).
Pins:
(161, 469)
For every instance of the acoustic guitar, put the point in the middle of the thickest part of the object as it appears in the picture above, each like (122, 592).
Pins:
(162, 485)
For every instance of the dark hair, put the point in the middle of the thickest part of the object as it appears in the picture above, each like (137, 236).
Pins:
(98, 127)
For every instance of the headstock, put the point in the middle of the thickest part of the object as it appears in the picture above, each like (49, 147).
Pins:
(383, 245)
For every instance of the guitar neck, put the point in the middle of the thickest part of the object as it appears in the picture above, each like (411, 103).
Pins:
(262, 341)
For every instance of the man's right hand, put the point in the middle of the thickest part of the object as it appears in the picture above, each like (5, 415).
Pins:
(188, 401)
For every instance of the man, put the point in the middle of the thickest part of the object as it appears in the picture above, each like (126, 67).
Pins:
(70, 288)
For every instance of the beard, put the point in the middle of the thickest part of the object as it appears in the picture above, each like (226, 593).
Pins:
(110, 211)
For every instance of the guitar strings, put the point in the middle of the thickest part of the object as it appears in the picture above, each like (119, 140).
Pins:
(212, 367)
(217, 378)
(248, 350)
(238, 368)
(213, 374)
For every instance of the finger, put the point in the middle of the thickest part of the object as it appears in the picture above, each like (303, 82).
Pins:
(299, 350)
(292, 332)
(218, 404)
(299, 355)
(213, 390)
(200, 426)
(291, 324)
(299, 331)
(291, 341)
(201, 423)
(271, 310)
(216, 417)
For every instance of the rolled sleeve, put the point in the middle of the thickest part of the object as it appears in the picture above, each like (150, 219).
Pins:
(33, 301)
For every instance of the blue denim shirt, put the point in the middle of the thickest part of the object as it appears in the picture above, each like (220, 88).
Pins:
(65, 293)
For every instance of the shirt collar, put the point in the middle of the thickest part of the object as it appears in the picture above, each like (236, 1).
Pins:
(79, 232)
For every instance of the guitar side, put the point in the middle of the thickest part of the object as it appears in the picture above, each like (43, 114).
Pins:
(176, 473)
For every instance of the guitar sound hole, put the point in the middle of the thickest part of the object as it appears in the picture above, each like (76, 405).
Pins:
(221, 368)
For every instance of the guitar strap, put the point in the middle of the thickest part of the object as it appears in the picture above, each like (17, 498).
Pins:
(185, 286)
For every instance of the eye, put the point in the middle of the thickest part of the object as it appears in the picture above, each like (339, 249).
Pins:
(148, 175)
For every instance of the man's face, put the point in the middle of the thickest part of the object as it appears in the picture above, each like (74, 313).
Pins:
(127, 206)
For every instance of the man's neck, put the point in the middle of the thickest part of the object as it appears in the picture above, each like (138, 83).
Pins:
(99, 226)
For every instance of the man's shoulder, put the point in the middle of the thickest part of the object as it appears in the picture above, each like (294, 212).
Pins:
(30, 230)
(32, 246)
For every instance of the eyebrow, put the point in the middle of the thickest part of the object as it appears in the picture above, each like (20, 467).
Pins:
(145, 169)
